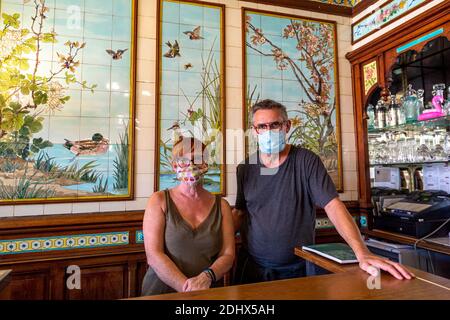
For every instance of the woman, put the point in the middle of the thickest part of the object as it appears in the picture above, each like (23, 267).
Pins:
(188, 232)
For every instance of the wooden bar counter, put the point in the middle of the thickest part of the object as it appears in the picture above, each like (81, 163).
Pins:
(347, 282)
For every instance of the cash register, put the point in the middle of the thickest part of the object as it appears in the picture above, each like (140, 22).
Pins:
(416, 214)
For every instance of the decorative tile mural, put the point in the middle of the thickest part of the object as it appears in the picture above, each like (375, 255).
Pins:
(66, 100)
(293, 60)
(69, 242)
(370, 76)
(191, 86)
(382, 16)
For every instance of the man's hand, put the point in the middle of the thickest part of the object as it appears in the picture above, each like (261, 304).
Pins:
(200, 282)
(347, 228)
(370, 263)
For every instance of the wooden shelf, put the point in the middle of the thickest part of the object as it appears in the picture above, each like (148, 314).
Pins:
(407, 240)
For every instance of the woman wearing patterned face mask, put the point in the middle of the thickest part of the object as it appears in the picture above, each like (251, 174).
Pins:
(188, 232)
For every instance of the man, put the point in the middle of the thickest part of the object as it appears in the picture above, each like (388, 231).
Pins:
(278, 188)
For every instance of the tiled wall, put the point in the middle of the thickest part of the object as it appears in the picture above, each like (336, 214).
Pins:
(393, 25)
(145, 109)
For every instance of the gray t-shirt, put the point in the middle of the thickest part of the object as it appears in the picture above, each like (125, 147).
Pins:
(281, 204)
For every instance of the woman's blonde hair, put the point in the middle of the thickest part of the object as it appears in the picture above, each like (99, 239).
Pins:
(192, 145)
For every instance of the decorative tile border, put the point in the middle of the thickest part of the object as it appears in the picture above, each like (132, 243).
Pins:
(363, 221)
(382, 16)
(139, 237)
(68, 242)
(345, 3)
(321, 223)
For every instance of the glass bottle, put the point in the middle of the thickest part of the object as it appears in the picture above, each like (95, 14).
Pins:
(380, 115)
(371, 117)
(401, 116)
(410, 105)
(420, 103)
(393, 113)
(447, 103)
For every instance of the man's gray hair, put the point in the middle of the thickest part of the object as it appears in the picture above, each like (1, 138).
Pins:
(268, 104)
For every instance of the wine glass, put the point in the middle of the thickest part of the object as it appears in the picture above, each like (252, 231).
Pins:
(423, 152)
(447, 145)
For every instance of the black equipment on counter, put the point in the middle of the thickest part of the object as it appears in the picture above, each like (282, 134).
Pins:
(382, 196)
(416, 214)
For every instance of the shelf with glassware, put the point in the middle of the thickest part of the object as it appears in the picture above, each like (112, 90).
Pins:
(408, 136)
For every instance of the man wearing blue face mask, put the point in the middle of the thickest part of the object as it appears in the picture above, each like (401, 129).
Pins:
(278, 189)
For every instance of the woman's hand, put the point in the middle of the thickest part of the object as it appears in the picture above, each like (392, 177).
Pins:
(200, 282)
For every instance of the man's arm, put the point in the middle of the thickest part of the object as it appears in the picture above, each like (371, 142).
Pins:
(347, 228)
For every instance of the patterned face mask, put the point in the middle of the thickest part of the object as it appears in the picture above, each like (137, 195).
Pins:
(190, 173)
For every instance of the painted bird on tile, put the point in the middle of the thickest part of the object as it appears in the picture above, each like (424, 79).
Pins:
(116, 55)
(174, 50)
(89, 147)
(176, 131)
(194, 34)
(175, 126)
(187, 66)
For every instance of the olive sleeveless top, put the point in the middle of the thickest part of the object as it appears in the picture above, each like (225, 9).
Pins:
(192, 250)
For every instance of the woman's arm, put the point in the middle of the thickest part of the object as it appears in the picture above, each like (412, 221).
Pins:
(224, 262)
(153, 228)
(226, 256)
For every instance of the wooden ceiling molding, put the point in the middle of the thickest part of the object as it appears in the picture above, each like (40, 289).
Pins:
(343, 8)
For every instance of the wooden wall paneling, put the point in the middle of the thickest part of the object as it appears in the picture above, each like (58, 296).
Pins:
(57, 282)
(361, 6)
(361, 144)
(101, 282)
(31, 285)
(141, 269)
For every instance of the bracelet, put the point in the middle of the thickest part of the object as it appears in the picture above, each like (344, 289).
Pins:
(211, 274)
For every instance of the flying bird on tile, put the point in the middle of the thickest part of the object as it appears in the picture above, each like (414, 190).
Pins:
(116, 55)
(187, 66)
(194, 34)
(174, 50)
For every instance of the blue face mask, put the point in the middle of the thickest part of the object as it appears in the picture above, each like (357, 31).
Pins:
(271, 142)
